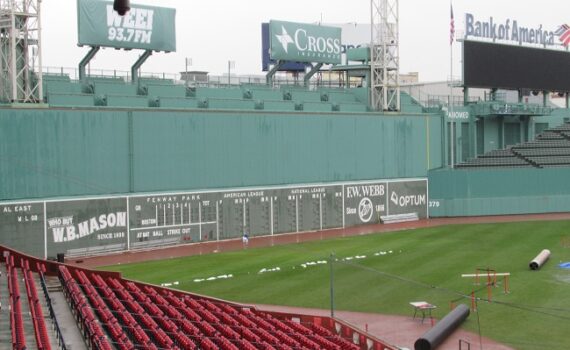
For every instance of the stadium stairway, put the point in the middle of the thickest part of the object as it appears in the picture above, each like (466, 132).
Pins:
(408, 104)
(5, 335)
(68, 325)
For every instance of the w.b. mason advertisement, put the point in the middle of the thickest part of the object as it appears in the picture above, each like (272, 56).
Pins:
(86, 226)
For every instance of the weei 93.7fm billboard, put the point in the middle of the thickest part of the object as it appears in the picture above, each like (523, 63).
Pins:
(300, 42)
(143, 27)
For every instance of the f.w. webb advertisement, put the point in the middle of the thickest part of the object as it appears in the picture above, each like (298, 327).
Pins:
(366, 203)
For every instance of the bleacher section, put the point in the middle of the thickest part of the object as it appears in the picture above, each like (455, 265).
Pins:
(28, 327)
(551, 148)
(114, 313)
(60, 91)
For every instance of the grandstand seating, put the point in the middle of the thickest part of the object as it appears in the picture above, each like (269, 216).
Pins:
(122, 101)
(31, 308)
(317, 107)
(60, 91)
(221, 93)
(55, 77)
(350, 107)
(165, 90)
(155, 81)
(266, 94)
(338, 96)
(69, 99)
(114, 88)
(551, 148)
(408, 104)
(158, 318)
(273, 105)
(305, 96)
(229, 103)
(113, 313)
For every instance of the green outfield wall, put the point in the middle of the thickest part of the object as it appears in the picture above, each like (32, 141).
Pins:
(498, 191)
(78, 152)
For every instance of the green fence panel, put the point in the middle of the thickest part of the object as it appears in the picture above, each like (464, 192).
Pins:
(498, 191)
(182, 150)
(62, 152)
(71, 152)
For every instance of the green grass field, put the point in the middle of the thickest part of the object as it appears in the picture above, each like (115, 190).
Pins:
(425, 264)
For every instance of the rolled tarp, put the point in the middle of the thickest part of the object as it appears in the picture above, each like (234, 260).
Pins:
(437, 334)
(539, 260)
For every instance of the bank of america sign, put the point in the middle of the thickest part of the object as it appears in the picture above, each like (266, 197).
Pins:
(302, 42)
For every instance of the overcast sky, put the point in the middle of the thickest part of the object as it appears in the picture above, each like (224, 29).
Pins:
(212, 32)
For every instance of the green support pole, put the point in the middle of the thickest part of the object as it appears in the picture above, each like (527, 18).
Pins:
(85, 61)
(271, 73)
(137, 65)
(331, 262)
(312, 72)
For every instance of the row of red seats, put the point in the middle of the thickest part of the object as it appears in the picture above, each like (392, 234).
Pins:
(189, 322)
(276, 332)
(18, 335)
(120, 339)
(40, 330)
(172, 338)
(135, 330)
(143, 306)
(88, 321)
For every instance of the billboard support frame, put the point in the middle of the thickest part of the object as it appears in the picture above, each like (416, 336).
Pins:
(313, 71)
(135, 68)
(85, 61)
(272, 71)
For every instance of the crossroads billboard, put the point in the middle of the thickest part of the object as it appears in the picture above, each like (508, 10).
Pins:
(143, 27)
(300, 42)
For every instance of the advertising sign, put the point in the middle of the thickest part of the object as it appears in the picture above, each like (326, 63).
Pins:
(406, 197)
(354, 35)
(300, 42)
(143, 27)
(77, 226)
(266, 61)
(92, 226)
(510, 30)
(364, 203)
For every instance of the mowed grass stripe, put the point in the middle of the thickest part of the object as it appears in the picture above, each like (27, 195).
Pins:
(434, 258)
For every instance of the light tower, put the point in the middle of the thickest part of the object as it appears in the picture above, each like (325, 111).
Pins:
(20, 51)
(384, 56)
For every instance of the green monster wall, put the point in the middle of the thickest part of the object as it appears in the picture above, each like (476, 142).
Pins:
(498, 191)
(77, 152)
